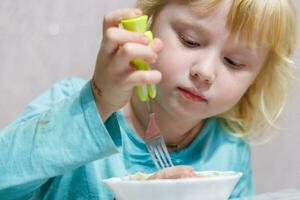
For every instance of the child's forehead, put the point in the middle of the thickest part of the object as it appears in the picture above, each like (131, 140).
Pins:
(195, 14)
(207, 6)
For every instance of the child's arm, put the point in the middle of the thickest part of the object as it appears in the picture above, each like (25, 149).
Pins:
(59, 132)
(65, 133)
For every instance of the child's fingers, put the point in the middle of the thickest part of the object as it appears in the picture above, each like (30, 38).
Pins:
(114, 18)
(157, 45)
(143, 77)
(115, 37)
(130, 51)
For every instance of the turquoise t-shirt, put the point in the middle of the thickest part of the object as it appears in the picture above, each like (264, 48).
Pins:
(59, 148)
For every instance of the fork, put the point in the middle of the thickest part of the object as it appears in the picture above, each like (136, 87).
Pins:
(155, 142)
(153, 139)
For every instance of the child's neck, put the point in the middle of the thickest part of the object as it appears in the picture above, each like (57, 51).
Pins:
(177, 133)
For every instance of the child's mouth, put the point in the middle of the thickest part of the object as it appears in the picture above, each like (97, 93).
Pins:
(192, 95)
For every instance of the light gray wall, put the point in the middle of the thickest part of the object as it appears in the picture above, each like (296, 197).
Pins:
(44, 41)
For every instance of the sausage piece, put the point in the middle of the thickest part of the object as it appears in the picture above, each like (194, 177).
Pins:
(176, 172)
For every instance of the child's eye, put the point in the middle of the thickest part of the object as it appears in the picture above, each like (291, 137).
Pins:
(188, 41)
(233, 64)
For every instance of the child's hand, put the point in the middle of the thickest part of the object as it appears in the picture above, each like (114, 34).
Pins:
(114, 76)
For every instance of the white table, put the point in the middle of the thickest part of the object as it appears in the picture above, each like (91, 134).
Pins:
(287, 194)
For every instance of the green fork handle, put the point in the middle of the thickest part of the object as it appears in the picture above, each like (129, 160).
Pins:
(139, 24)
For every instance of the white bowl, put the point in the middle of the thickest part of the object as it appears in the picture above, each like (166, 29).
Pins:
(212, 187)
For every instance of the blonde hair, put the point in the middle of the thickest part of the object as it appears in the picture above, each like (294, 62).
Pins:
(268, 22)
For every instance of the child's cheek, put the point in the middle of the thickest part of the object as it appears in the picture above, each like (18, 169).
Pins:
(225, 100)
(171, 65)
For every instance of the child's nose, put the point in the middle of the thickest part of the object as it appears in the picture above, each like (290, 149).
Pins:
(205, 74)
(204, 67)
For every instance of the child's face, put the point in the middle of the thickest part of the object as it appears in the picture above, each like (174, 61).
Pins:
(198, 55)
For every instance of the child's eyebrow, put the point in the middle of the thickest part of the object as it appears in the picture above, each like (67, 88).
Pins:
(195, 26)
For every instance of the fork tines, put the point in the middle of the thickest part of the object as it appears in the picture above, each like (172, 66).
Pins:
(156, 145)
(159, 152)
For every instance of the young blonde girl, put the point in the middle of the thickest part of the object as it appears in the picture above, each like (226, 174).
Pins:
(222, 69)
(256, 22)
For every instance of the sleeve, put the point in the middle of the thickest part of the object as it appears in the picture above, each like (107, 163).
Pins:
(244, 187)
(60, 131)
